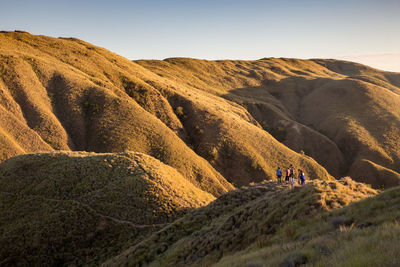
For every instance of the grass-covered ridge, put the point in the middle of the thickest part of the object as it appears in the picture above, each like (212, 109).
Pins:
(81, 208)
(365, 233)
(344, 115)
(238, 219)
(130, 209)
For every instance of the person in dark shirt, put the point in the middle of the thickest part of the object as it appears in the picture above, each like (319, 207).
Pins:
(279, 175)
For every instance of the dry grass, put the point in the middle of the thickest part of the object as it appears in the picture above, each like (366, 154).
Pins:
(211, 121)
(342, 113)
(84, 98)
(80, 97)
(70, 95)
(377, 246)
(214, 122)
(369, 236)
(257, 215)
(53, 205)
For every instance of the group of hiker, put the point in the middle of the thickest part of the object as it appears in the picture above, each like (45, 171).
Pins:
(290, 176)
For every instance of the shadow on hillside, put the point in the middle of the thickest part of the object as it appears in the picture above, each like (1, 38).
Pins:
(282, 99)
(278, 107)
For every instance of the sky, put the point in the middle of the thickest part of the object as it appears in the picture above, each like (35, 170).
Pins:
(366, 31)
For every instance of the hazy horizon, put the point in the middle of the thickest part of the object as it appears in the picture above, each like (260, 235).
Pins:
(360, 31)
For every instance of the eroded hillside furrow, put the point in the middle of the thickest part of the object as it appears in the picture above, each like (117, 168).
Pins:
(228, 136)
(35, 104)
(102, 102)
(67, 108)
(335, 111)
(155, 103)
(75, 109)
(204, 118)
(299, 137)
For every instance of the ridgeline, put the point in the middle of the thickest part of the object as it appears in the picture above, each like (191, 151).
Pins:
(104, 160)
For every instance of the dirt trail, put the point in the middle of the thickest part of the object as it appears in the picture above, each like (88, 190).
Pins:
(117, 220)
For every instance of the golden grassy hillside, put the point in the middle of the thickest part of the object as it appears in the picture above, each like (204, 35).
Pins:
(344, 115)
(259, 214)
(82, 208)
(365, 233)
(66, 94)
(197, 128)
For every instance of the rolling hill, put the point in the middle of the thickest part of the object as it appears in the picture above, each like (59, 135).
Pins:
(262, 214)
(214, 121)
(104, 160)
(86, 208)
(344, 115)
(81, 208)
(67, 94)
(57, 93)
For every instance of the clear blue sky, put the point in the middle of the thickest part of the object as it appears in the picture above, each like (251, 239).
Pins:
(218, 29)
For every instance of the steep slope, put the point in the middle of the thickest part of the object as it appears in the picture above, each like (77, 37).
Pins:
(76, 96)
(237, 220)
(344, 115)
(81, 208)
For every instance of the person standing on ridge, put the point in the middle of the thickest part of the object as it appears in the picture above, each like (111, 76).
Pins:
(287, 176)
(302, 178)
(279, 175)
(292, 175)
